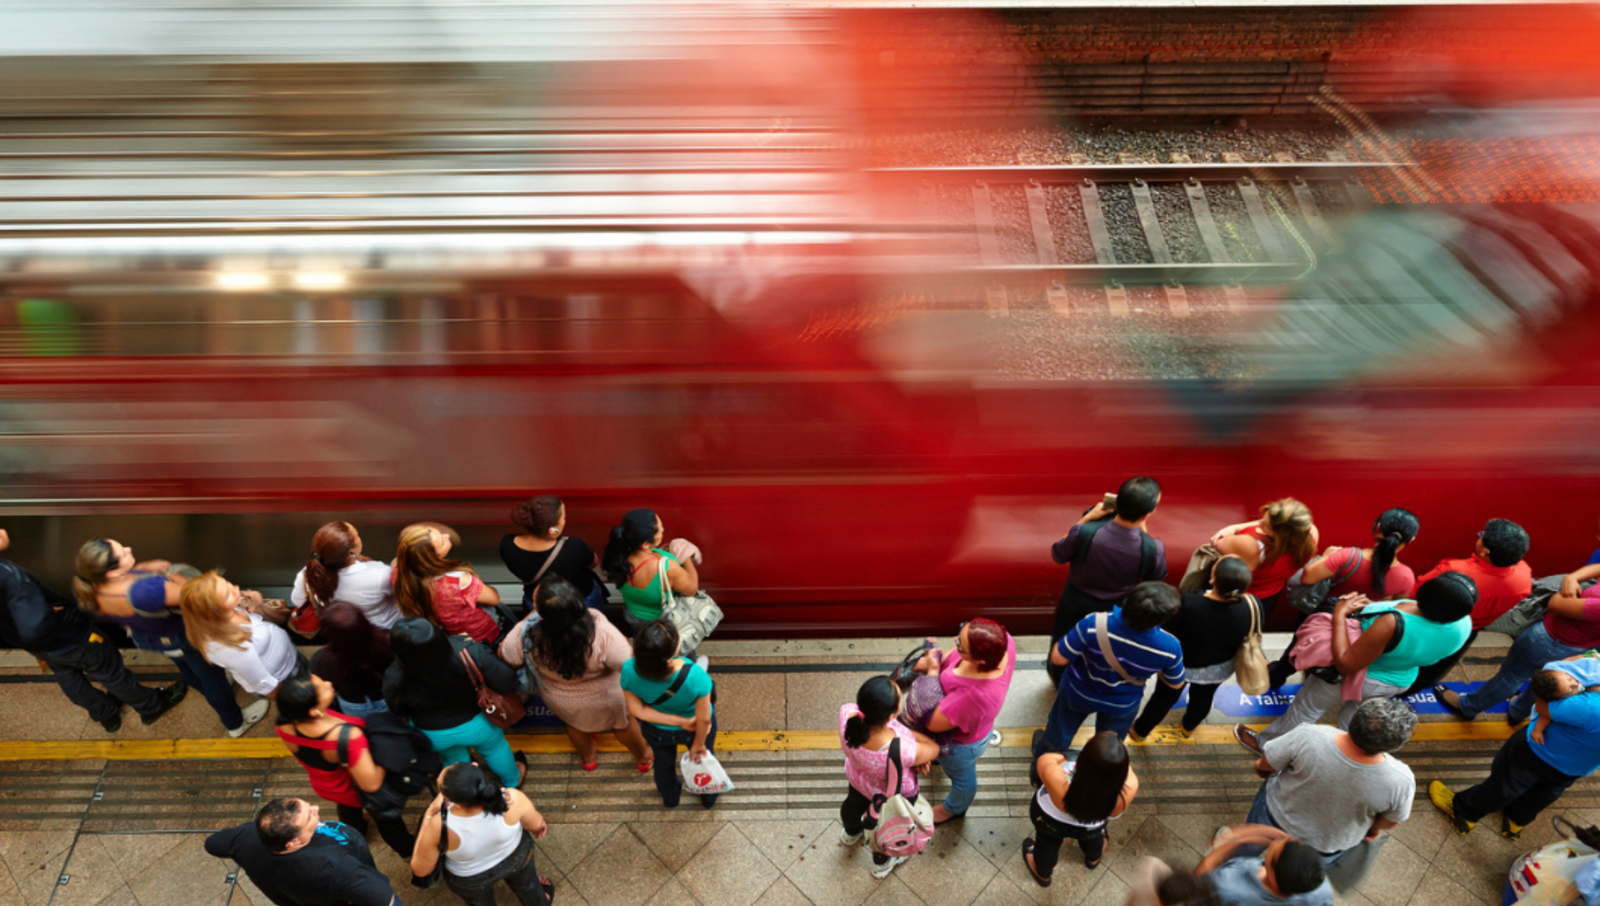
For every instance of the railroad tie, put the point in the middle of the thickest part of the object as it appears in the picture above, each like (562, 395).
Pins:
(1099, 236)
(1044, 239)
(1206, 223)
(983, 214)
(1146, 206)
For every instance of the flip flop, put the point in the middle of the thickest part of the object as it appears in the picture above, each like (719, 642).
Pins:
(549, 889)
(644, 766)
(1027, 850)
(1438, 695)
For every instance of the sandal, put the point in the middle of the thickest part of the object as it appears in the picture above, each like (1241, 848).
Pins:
(645, 766)
(1027, 850)
(1439, 689)
(549, 889)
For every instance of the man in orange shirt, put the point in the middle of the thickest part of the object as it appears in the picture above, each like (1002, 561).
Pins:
(1503, 580)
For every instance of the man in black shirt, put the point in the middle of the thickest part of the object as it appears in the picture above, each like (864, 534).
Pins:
(53, 629)
(297, 860)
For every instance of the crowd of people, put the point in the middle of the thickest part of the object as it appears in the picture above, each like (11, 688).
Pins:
(419, 653)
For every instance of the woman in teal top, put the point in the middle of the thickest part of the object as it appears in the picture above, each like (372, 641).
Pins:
(671, 698)
(1396, 638)
(633, 560)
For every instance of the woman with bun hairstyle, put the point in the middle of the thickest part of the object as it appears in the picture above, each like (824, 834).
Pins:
(489, 836)
(633, 560)
(866, 730)
(543, 519)
(338, 571)
(445, 592)
(1274, 547)
(1076, 798)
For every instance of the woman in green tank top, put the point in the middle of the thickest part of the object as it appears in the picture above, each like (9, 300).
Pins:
(633, 560)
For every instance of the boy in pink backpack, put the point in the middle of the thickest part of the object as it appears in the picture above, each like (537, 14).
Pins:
(868, 733)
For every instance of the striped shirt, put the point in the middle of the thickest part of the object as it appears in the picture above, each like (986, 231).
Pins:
(1093, 683)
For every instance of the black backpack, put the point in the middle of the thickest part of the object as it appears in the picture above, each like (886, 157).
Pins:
(1086, 533)
(406, 756)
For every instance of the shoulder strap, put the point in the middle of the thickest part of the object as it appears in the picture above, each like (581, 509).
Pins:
(1147, 556)
(1350, 567)
(547, 561)
(677, 683)
(472, 669)
(1080, 544)
(666, 589)
(344, 743)
(897, 777)
(1104, 637)
(1255, 613)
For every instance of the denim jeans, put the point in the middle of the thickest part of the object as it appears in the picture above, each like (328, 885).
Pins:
(961, 766)
(197, 673)
(1529, 653)
(664, 744)
(360, 709)
(1066, 717)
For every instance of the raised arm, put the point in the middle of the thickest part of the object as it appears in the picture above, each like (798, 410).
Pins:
(1243, 835)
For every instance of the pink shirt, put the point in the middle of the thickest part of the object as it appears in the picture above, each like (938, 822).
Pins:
(973, 704)
(1397, 582)
(1583, 632)
(868, 770)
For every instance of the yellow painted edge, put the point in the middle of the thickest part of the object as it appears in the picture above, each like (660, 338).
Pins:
(557, 743)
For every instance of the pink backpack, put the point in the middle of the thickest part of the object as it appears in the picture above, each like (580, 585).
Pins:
(903, 827)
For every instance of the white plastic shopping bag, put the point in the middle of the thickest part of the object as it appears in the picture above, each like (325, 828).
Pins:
(704, 776)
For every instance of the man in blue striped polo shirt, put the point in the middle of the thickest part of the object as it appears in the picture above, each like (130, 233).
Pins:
(1111, 692)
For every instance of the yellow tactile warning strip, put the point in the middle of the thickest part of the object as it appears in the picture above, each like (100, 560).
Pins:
(556, 743)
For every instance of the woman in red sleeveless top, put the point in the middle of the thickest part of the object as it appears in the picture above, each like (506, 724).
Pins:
(1275, 547)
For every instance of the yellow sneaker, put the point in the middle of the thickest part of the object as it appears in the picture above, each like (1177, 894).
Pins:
(1510, 829)
(1444, 799)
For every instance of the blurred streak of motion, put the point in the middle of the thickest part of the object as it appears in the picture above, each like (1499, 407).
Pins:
(263, 264)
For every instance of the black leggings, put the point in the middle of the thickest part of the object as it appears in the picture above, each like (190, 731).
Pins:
(1164, 697)
(1049, 834)
(393, 830)
(852, 814)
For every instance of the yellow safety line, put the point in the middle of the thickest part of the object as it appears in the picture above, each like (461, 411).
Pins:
(557, 743)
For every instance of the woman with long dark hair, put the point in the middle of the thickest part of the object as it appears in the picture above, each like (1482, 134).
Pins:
(489, 838)
(866, 731)
(578, 655)
(428, 684)
(1378, 572)
(354, 660)
(542, 549)
(445, 592)
(312, 730)
(338, 571)
(1075, 800)
(635, 562)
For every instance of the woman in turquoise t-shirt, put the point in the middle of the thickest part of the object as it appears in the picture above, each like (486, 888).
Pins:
(671, 697)
(633, 560)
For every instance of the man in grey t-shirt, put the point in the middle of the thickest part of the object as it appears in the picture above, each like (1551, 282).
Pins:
(1333, 789)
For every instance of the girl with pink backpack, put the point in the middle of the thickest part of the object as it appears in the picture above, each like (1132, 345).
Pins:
(880, 751)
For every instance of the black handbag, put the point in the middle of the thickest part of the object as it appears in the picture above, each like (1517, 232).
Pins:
(389, 799)
(435, 877)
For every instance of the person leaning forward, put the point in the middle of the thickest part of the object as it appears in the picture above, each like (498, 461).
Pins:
(297, 859)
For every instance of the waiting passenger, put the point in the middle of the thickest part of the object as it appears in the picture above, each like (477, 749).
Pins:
(1275, 547)
(315, 734)
(445, 592)
(354, 660)
(1571, 626)
(338, 571)
(297, 859)
(429, 685)
(578, 656)
(143, 599)
(635, 562)
(543, 550)
(1396, 638)
(1210, 627)
(1254, 865)
(866, 731)
(491, 830)
(1109, 552)
(670, 696)
(976, 676)
(1076, 799)
(1503, 580)
(260, 653)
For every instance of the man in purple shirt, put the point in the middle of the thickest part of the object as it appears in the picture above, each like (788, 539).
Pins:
(1110, 553)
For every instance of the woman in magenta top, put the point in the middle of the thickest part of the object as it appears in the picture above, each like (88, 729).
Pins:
(1378, 574)
(976, 677)
(867, 730)
(1275, 547)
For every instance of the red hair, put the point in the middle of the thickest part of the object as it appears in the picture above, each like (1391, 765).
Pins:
(986, 643)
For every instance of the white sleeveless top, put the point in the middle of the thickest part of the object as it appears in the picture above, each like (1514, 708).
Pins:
(486, 841)
(1048, 805)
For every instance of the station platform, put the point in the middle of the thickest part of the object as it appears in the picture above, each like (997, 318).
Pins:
(89, 819)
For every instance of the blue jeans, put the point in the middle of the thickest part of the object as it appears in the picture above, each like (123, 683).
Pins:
(361, 708)
(1260, 813)
(490, 742)
(961, 766)
(1067, 715)
(197, 673)
(1529, 653)
(664, 744)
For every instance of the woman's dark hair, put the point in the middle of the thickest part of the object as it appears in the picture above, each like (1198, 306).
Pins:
(878, 700)
(538, 514)
(332, 549)
(638, 527)
(357, 647)
(1231, 578)
(564, 635)
(296, 698)
(1097, 782)
(427, 665)
(466, 784)
(1395, 527)
(1447, 597)
(654, 647)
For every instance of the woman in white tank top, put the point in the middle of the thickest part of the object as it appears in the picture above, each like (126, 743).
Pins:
(488, 837)
(1075, 801)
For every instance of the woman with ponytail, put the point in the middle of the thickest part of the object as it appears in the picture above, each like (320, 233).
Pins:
(866, 729)
(337, 571)
(1378, 573)
(489, 834)
(1274, 547)
(1211, 627)
(633, 561)
(543, 550)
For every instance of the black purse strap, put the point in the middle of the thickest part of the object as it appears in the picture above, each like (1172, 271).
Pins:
(677, 683)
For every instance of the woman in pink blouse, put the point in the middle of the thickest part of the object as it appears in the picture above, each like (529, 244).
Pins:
(866, 731)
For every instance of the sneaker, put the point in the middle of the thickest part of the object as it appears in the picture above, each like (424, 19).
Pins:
(1248, 738)
(882, 871)
(113, 723)
(848, 839)
(252, 716)
(1510, 829)
(995, 738)
(703, 662)
(1444, 800)
(1221, 836)
(170, 697)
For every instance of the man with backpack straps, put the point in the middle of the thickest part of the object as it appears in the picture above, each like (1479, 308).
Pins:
(1109, 552)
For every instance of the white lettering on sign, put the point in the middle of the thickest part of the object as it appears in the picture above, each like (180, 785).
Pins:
(1270, 698)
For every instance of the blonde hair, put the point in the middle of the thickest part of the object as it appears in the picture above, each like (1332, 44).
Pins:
(94, 560)
(1290, 521)
(207, 616)
(416, 565)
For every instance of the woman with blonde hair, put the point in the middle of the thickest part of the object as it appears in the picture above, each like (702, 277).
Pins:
(260, 654)
(1274, 547)
(445, 592)
(142, 597)
(338, 571)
